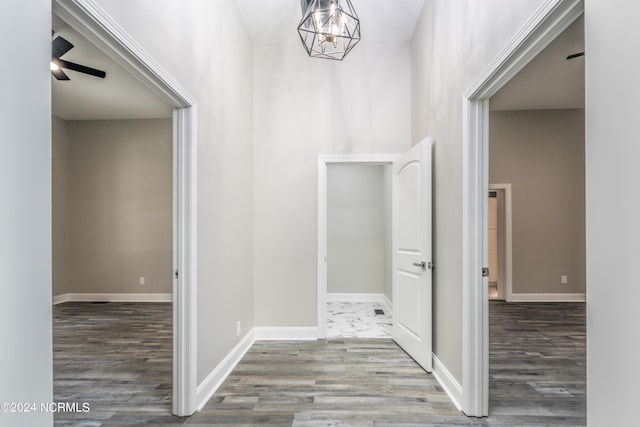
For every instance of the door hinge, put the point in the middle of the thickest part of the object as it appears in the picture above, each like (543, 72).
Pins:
(175, 274)
(485, 271)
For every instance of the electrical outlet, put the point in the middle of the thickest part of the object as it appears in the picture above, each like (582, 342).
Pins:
(141, 281)
(238, 328)
(563, 279)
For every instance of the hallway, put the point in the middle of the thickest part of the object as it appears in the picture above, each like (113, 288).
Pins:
(537, 374)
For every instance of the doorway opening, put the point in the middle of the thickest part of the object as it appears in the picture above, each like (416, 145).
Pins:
(411, 236)
(549, 21)
(96, 26)
(500, 242)
(354, 246)
(359, 270)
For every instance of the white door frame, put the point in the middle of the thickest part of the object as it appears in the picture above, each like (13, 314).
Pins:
(90, 20)
(551, 18)
(323, 161)
(505, 225)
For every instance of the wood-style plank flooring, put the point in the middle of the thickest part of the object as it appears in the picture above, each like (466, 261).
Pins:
(117, 357)
(537, 369)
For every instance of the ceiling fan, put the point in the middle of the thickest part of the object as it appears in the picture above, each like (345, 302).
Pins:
(59, 47)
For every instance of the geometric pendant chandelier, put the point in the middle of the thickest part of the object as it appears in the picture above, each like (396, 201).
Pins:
(329, 28)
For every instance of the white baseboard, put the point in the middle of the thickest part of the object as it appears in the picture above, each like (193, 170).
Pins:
(285, 334)
(381, 298)
(548, 298)
(214, 380)
(387, 304)
(355, 297)
(448, 382)
(58, 299)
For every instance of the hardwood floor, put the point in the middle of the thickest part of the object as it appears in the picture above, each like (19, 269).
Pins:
(342, 382)
(117, 357)
(537, 369)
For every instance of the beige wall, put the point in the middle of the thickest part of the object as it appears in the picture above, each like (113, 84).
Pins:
(60, 206)
(541, 153)
(115, 189)
(356, 229)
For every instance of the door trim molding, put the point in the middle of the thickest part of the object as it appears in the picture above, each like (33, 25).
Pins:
(92, 22)
(551, 18)
(323, 162)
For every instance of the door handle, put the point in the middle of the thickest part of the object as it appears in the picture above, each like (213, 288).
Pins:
(424, 265)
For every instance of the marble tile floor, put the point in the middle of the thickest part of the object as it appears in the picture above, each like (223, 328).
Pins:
(358, 320)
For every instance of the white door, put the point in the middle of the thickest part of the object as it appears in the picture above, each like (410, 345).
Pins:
(412, 253)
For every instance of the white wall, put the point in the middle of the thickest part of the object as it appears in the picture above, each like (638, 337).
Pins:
(541, 153)
(304, 108)
(613, 209)
(25, 214)
(356, 229)
(454, 41)
(204, 45)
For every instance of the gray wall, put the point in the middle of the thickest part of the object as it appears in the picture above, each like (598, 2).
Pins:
(304, 108)
(613, 209)
(116, 191)
(455, 40)
(388, 240)
(220, 76)
(25, 212)
(541, 153)
(357, 228)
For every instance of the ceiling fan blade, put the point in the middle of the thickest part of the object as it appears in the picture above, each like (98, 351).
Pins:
(575, 55)
(59, 74)
(59, 47)
(82, 69)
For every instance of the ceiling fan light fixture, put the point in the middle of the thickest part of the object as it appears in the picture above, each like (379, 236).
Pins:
(329, 29)
(59, 47)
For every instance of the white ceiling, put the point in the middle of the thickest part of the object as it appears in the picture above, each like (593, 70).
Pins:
(549, 81)
(276, 21)
(84, 97)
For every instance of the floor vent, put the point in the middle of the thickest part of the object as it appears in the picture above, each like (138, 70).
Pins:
(379, 311)
(100, 302)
